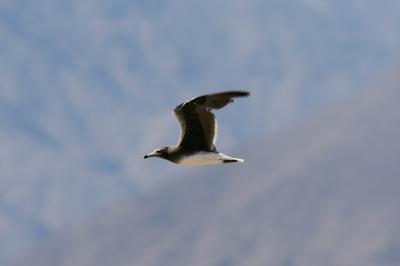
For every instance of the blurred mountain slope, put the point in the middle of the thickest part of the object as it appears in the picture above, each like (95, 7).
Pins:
(86, 88)
(322, 193)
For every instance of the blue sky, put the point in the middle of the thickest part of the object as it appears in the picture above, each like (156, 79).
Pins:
(77, 78)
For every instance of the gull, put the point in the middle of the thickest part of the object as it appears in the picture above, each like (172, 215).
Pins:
(196, 145)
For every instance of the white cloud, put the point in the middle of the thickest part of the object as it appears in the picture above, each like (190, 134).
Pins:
(78, 77)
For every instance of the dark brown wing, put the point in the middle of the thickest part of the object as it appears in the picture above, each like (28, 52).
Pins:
(198, 123)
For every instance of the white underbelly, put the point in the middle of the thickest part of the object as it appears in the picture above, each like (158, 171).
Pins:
(204, 158)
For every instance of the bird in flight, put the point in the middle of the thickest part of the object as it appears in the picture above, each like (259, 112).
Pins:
(198, 125)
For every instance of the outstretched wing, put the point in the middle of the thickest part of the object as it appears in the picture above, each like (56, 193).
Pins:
(198, 123)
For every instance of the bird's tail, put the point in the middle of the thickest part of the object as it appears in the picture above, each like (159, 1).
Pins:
(227, 159)
(233, 161)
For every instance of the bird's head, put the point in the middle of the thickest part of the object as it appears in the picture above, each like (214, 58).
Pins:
(160, 152)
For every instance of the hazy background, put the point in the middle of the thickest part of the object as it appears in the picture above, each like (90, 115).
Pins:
(87, 88)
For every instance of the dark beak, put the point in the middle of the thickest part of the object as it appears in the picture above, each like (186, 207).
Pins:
(153, 154)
